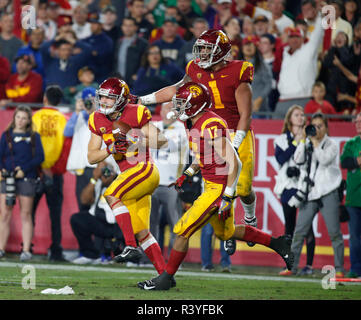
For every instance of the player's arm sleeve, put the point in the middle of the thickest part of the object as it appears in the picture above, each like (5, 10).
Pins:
(91, 124)
(143, 116)
(246, 72)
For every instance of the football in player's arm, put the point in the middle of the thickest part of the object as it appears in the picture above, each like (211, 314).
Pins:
(129, 195)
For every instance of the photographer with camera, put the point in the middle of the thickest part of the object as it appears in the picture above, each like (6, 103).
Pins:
(77, 127)
(98, 221)
(287, 178)
(318, 184)
(21, 153)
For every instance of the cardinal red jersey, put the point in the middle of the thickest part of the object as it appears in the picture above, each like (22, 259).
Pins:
(222, 85)
(207, 128)
(136, 116)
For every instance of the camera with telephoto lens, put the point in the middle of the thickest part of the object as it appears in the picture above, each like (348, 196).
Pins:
(293, 172)
(310, 130)
(88, 104)
(10, 187)
(106, 172)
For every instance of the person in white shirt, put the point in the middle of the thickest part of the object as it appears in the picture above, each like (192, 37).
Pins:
(299, 68)
(80, 25)
(319, 181)
(170, 163)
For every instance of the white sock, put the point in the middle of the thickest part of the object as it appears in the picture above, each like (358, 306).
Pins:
(249, 209)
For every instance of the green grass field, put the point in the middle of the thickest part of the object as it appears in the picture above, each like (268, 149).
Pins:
(116, 282)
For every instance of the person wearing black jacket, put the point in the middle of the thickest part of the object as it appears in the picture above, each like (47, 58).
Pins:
(99, 221)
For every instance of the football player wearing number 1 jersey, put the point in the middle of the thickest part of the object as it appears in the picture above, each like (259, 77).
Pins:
(220, 167)
(129, 195)
(229, 83)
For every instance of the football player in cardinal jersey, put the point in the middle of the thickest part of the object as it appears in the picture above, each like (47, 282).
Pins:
(229, 83)
(220, 168)
(129, 196)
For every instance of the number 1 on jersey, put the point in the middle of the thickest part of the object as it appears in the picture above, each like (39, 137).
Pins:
(216, 95)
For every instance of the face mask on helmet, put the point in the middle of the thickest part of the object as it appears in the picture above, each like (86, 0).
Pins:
(107, 108)
(210, 48)
(183, 108)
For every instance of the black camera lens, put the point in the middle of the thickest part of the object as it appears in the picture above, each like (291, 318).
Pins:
(293, 172)
(88, 104)
(10, 188)
(310, 130)
(106, 172)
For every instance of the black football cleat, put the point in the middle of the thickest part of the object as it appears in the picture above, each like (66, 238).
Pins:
(163, 282)
(230, 246)
(282, 245)
(129, 253)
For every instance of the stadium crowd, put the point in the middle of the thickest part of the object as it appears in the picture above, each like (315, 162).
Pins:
(75, 45)
(148, 43)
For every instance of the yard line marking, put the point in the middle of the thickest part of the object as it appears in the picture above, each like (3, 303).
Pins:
(153, 272)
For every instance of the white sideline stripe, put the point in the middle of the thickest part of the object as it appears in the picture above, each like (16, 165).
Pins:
(183, 273)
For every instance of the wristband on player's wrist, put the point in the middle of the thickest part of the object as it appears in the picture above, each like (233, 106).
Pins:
(228, 192)
(238, 138)
(189, 172)
(148, 99)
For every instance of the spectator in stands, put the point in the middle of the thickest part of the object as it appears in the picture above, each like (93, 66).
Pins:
(336, 81)
(309, 14)
(155, 72)
(351, 160)
(86, 79)
(5, 71)
(340, 24)
(217, 14)
(25, 85)
(199, 25)
(277, 19)
(186, 9)
(182, 30)
(50, 124)
(21, 152)
(43, 21)
(137, 11)
(262, 82)
(247, 27)
(171, 162)
(102, 49)
(61, 65)
(129, 51)
(261, 25)
(266, 47)
(298, 69)
(5, 6)
(232, 29)
(355, 49)
(97, 221)
(109, 23)
(352, 11)
(9, 44)
(170, 42)
(207, 251)
(36, 38)
(319, 161)
(356, 100)
(318, 104)
(81, 26)
(287, 179)
(77, 129)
